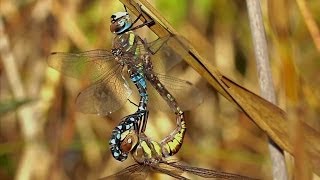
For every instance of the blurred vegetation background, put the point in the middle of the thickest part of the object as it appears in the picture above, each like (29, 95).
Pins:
(43, 137)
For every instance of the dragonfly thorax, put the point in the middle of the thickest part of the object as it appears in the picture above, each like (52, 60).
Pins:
(125, 48)
(147, 151)
(116, 52)
(125, 42)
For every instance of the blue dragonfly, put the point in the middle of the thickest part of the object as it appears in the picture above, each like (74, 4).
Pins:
(110, 87)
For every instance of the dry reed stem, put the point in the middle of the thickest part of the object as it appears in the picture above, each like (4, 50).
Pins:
(265, 79)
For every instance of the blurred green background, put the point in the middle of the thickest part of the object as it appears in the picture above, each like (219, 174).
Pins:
(43, 137)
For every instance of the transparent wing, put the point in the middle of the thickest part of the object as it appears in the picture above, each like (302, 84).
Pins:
(207, 173)
(104, 96)
(163, 57)
(152, 47)
(186, 94)
(133, 172)
(168, 170)
(109, 91)
(89, 64)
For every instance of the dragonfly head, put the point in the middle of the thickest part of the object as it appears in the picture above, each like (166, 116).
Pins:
(122, 144)
(120, 22)
(129, 141)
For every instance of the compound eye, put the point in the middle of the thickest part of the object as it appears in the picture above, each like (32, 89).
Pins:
(121, 22)
(126, 146)
(129, 142)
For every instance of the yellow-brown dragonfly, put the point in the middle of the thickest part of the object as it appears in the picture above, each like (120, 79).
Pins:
(151, 156)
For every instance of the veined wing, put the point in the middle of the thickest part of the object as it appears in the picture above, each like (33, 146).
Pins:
(139, 172)
(163, 59)
(168, 170)
(207, 173)
(133, 172)
(186, 94)
(106, 95)
(89, 64)
(162, 56)
(152, 47)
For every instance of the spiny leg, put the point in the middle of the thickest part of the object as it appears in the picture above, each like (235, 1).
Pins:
(133, 103)
(145, 22)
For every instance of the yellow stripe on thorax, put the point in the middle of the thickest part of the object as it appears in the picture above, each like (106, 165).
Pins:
(156, 147)
(146, 149)
(131, 39)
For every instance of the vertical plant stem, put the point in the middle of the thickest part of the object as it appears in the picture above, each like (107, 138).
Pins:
(265, 79)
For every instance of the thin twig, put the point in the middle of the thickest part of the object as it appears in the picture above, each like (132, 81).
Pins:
(265, 79)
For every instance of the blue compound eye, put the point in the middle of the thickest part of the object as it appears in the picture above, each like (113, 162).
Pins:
(118, 15)
(121, 22)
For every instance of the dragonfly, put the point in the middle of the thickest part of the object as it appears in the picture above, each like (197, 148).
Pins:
(110, 88)
(105, 69)
(151, 156)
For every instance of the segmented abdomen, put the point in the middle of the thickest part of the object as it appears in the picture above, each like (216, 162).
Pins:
(172, 143)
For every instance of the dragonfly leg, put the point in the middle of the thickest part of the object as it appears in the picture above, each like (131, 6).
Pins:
(154, 50)
(125, 8)
(142, 14)
(146, 23)
(133, 103)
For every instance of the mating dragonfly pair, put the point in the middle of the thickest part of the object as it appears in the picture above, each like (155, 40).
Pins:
(110, 90)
